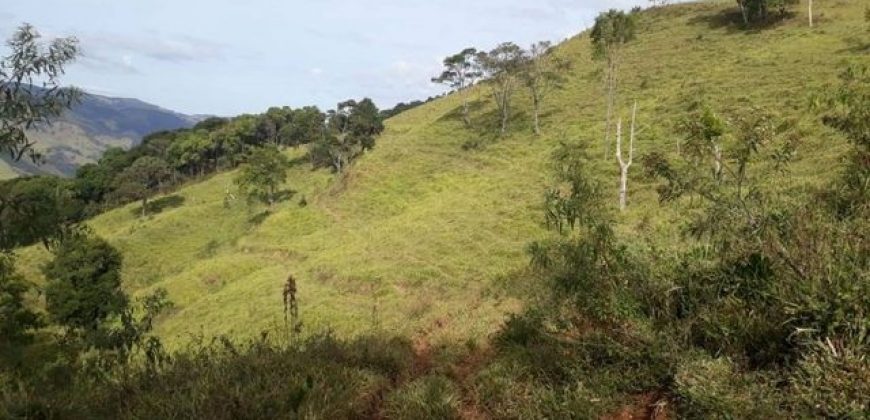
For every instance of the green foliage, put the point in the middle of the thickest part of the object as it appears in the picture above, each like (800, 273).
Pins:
(350, 131)
(321, 377)
(430, 397)
(832, 380)
(612, 29)
(501, 66)
(141, 179)
(262, 175)
(761, 11)
(17, 320)
(36, 209)
(84, 283)
(710, 388)
(25, 106)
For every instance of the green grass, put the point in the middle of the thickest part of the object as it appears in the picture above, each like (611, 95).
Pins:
(420, 233)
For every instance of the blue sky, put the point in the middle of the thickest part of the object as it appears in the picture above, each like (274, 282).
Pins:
(227, 57)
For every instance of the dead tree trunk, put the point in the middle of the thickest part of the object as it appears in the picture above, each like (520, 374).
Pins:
(810, 7)
(625, 164)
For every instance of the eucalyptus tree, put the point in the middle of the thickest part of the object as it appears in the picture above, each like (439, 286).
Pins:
(613, 29)
(30, 90)
(263, 173)
(461, 71)
(350, 131)
(502, 66)
(142, 179)
(541, 71)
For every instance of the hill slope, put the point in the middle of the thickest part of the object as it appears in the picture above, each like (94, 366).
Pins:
(89, 128)
(424, 237)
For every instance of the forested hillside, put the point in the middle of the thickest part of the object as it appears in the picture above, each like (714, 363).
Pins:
(464, 272)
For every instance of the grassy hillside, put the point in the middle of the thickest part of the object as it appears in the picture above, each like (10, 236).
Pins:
(424, 237)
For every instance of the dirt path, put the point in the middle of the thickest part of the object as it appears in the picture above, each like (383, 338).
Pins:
(647, 406)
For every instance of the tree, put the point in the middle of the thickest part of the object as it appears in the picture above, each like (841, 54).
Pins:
(704, 130)
(759, 10)
(501, 66)
(625, 164)
(540, 72)
(24, 105)
(350, 130)
(305, 126)
(460, 72)
(263, 173)
(141, 179)
(84, 283)
(612, 30)
(810, 12)
(36, 209)
(16, 318)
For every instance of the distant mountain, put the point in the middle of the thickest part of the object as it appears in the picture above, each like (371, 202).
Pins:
(89, 128)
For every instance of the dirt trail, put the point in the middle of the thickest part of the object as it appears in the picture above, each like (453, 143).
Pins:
(648, 406)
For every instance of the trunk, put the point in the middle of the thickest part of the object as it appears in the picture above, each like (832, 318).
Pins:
(505, 112)
(717, 161)
(144, 206)
(623, 164)
(465, 118)
(810, 7)
(536, 105)
(611, 100)
(743, 12)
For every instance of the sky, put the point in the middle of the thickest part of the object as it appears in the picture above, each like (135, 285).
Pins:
(227, 57)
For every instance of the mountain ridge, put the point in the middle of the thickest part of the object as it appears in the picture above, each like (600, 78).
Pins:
(93, 125)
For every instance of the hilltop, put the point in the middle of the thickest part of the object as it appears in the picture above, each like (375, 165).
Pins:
(425, 237)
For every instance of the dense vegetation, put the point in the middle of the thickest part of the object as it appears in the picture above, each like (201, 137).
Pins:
(730, 282)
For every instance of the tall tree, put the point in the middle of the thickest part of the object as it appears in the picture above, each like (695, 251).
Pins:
(541, 71)
(612, 30)
(460, 72)
(351, 129)
(84, 283)
(23, 103)
(501, 66)
(16, 317)
(305, 126)
(36, 209)
(142, 179)
(263, 173)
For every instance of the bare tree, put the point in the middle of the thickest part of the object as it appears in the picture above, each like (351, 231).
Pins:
(625, 164)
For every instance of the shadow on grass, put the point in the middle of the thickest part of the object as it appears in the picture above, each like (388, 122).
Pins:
(159, 205)
(732, 21)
